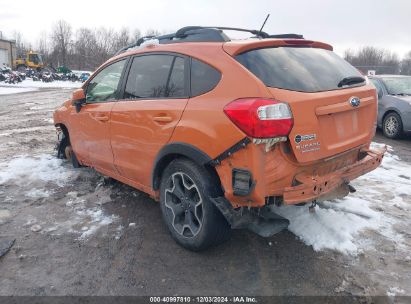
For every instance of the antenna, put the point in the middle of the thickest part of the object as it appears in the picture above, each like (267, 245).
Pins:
(261, 29)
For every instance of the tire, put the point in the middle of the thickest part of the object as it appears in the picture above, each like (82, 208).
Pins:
(61, 148)
(73, 158)
(65, 151)
(392, 125)
(191, 218)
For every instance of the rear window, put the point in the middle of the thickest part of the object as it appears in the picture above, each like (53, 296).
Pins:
(298, 68)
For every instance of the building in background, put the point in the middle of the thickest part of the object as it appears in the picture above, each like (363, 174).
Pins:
(7, 51)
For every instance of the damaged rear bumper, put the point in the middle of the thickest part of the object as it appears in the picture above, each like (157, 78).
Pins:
(310, 187)
(262, 221)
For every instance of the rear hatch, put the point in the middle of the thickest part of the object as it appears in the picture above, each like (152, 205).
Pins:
(333, 106)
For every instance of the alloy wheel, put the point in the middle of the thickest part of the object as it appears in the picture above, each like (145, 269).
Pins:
(391, 126)
(185, 204)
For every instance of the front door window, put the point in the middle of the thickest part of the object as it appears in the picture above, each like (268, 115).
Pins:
(104, 86)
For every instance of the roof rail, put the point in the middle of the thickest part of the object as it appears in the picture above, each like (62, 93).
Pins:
(133, 45)
(204, 34)
(183, 31)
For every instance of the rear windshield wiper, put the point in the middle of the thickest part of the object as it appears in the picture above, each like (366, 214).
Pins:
(350, 80)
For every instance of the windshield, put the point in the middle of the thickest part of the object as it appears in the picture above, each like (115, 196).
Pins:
(36, 58)
(301, 69)
(398, 85)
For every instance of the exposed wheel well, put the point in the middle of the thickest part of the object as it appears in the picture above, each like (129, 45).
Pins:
(63, 129)
(167, 159)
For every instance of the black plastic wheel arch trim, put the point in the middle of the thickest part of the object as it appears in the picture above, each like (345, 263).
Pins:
(169, 152)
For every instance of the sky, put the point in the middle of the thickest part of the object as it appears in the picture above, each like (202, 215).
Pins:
(342, 23)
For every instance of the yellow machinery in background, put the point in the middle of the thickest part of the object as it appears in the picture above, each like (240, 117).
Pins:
(30, 60)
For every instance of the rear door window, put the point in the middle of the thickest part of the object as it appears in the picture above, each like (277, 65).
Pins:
(156, 76)
(176, 83)
(298, 68)
(204, 78)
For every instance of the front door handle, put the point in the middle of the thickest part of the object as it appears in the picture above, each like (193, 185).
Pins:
(163, 119)
(101, 118)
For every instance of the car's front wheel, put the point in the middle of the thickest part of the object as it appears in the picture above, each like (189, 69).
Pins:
(192, 219)
(64, 150)
(392, 125)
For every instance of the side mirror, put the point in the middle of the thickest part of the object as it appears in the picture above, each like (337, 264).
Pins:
(78, 99)
(379, 94)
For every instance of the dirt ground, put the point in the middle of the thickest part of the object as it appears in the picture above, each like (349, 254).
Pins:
(78, 233)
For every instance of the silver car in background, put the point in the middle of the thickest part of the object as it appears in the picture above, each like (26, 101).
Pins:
(394, 104)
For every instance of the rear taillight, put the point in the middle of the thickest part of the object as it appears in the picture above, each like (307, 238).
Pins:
(260, 118)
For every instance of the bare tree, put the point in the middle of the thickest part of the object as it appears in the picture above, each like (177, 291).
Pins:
(22, 46)
(406, 64)
(372, 58)
(136, 35)
(104, 44)
(94, 46)
(42, 46)
(122, 38)
(152, 32)
(61, 39)
(89, 48)
(84, 49)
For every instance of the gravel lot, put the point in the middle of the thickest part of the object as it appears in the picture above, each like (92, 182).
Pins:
(78, 233)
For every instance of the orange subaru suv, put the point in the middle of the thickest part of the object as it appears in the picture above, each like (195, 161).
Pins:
(221, 130)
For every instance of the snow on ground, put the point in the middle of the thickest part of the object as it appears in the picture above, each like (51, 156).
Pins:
(88, 216)
(96, 220)
(339, 224)
(37, 193)
(24, 170)
(79, 72)
(11, 132)
(334, 227)
(39, 177)
(393, 291)
(380, 203)
(14, 90)
(30, 85)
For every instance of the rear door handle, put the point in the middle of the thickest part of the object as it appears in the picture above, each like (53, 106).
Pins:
(163, 119)
(101, 118)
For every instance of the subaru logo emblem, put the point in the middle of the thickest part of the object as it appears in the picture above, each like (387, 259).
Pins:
(354, 101)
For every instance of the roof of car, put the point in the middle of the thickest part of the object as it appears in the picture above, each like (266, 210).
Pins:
(206, 35)
(199, 42)
(232, 47)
